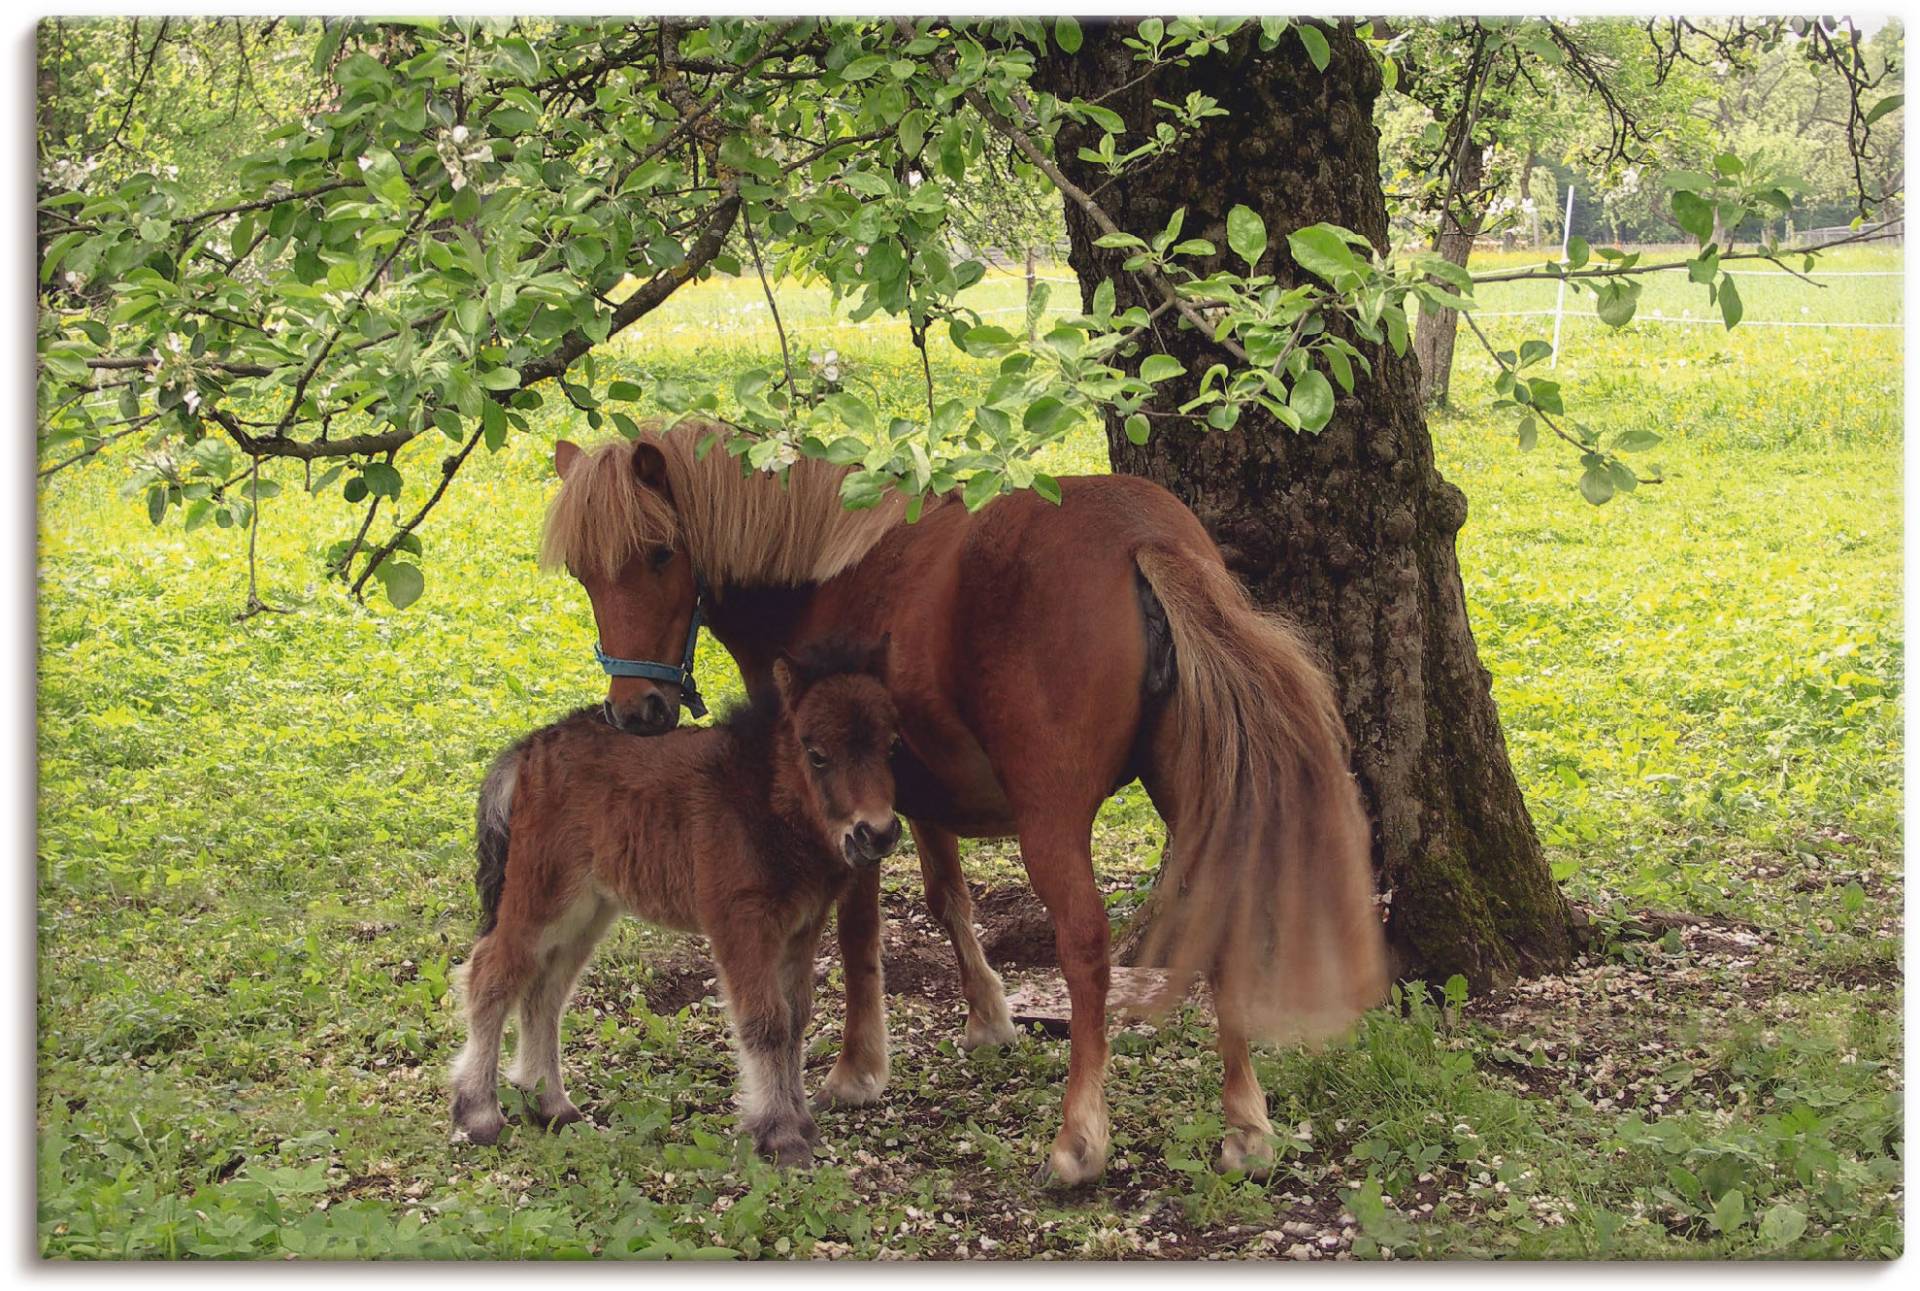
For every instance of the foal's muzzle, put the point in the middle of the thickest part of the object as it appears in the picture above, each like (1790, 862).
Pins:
(864, 846)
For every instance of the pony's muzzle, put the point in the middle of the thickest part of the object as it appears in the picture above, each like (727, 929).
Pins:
(865, 846)
(652, 714)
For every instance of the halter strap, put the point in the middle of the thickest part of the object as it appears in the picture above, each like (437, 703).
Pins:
(681, 675)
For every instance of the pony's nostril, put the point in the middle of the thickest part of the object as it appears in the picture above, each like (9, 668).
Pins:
(863, 836)
(654, 713)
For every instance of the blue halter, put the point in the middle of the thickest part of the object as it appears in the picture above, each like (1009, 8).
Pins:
(681, 675)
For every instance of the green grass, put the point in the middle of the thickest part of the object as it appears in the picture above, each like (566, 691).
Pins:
(255, 861)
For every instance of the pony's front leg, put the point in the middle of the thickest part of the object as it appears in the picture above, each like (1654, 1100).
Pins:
(860, 1074)
(952, 908)
(1059, 858)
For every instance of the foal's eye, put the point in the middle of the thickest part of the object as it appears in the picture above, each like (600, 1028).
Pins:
(893, 746)
(816, 757)
(659, 556)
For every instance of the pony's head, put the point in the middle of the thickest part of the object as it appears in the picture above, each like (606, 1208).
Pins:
(613, 526)
(841, 732)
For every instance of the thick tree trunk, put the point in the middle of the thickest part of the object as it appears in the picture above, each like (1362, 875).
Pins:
(1350, 531)
(1434, 333)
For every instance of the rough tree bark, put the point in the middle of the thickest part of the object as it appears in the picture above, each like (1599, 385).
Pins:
(1434, 333)
(1350, 531)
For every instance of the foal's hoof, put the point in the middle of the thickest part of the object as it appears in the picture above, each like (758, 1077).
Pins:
(1071, 1163)
(845, 1087)
(477, 1123)
(786, 1147)
(1248, 1151)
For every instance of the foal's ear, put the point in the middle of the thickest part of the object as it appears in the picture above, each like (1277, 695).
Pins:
(786, 680)
(565, 454)
(650, 465)
(877, 654)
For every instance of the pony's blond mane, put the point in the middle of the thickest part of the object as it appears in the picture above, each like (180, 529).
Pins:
(739, 527)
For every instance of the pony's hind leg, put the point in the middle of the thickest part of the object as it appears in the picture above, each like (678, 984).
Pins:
(1248, 1145)
(951, 905)
(536, 1064)
(859, 1075)
(490, 982)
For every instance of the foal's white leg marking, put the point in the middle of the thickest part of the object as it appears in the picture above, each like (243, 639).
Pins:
(476, 1072)
(569, 944)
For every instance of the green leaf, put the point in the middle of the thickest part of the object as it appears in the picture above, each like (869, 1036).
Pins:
(381, 480)
(1320, 250)
(1617, 301)
(1596, 484)
(1047, 487)
(1889, 104)
(1316, 43)
(500, 379)
(1247, 234)
(1635, 441)
(1730, 307)
(404, 583)
(1691, 180)
(1694, 214)
(1158, 367)
(1312, 399)
(1066, 34)
(1577, 252)
(1782, 1224)
(1136, 428)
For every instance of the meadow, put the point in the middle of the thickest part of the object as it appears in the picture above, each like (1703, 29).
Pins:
(255, 857)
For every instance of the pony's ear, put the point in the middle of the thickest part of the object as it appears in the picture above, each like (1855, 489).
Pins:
(650, 465)
(786, 680)
(565, 454)
(877, 656)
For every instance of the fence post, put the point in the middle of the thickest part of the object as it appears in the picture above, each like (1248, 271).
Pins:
(1560, 305)
(1030, 284)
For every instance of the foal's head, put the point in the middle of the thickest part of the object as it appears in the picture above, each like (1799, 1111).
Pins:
(613, 526)
(840, 732)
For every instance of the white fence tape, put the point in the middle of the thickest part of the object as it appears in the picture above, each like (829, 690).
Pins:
(1678, 322)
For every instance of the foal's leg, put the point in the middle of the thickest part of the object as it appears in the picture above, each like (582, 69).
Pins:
(860, 1073)
(491, 981)
(751, 961)
(536, 1065)
(1058, 852)
(952, 908)
(796, 980)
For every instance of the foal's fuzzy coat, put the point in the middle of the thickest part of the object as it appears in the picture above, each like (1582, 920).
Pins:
(747, 832)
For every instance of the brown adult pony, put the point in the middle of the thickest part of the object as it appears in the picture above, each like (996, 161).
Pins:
(1043, 655)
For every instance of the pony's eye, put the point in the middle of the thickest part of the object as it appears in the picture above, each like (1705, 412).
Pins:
(659, 556)
(816, 757)
(893, 746)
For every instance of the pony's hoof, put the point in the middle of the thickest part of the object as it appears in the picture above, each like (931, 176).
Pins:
(983, 1031)
(555, 1121)
(1248, 1151)
(1070, 1164)
(846, 1088)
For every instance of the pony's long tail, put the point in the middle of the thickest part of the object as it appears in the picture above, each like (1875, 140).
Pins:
(492, 832)
(1267, 881)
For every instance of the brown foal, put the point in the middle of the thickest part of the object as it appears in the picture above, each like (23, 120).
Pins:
(747, 831)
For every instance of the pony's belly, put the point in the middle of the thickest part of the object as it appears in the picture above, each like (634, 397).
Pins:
(960, 795)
